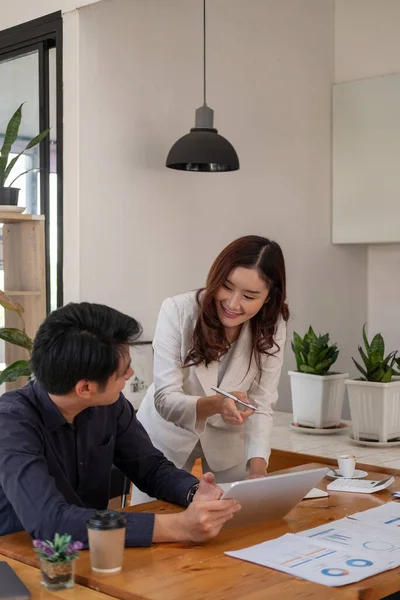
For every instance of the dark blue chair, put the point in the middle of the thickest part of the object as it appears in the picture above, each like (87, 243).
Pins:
(119, 485)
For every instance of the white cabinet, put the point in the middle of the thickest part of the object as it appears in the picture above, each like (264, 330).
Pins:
(366, 161)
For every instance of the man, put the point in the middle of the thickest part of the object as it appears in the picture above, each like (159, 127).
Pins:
(60, 435)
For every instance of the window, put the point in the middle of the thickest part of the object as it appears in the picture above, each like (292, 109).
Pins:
(31, 72)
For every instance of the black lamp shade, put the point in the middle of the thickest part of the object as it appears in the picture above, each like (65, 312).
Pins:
(203, 149)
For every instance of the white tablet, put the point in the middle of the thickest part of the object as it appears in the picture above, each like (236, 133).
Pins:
(269, 498)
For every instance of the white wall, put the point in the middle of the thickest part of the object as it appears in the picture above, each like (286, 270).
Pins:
(21, 11)
(366, 38)
(384, 292)
(137, 232)
(367, 44)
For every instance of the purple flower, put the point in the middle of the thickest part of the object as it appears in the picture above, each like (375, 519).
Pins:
(59, 549)
(76, 546)
(73, 548)
(40, 545)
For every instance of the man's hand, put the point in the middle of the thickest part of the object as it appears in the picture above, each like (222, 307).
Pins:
(229, 411)
(202, 520)
(208, 489)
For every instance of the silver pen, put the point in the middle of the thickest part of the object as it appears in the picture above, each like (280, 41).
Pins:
(232, 397)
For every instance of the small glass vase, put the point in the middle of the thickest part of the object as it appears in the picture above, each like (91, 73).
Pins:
(57, 575)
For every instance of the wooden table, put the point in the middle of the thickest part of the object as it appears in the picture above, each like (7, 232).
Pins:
(176, 571)
(31, 578)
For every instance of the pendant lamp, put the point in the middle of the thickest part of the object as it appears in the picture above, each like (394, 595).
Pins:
(203, 149)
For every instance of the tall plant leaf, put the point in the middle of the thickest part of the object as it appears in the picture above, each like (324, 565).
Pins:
(387, 377)
(365, 358)
(310, 335)
(326, 353)
(23, 173)
(323, 339)
(366, 343)
(377, 375)
(16, 336)
(18, 369)
(378, 368)
(34, 142)
(390, 359)
(323, 367)
(307, 369)
(9, 138)
(10, 304)
(377, 350)
(359, 367)
(313, 355)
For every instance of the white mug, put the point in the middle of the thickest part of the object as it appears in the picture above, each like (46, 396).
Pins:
(347, 464)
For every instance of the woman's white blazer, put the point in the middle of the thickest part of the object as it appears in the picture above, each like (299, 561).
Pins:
(168, 411)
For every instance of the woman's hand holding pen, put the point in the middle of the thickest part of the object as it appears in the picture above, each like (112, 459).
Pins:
(229, 411)
(226, 407)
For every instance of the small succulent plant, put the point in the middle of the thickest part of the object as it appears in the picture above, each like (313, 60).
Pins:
(376, 367)
(61, 549)
(313, 353)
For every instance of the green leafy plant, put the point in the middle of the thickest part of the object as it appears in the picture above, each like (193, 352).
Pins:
(60, 549)
(377, 367)
(10, 137)
(313, 353)
(13, 335)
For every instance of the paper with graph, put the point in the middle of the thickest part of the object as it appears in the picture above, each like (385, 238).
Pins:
(360, 536)
(387, 516)
(337, 553)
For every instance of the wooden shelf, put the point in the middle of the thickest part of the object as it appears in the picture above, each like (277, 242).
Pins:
(10, 217)
(23, 292)
(24, 278)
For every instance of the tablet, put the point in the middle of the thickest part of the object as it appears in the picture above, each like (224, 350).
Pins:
(269, 498)
(11, 587)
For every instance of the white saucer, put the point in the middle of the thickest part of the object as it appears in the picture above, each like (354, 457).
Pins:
(11, 208)
(315, 431)
(358, 474)
(372, 444)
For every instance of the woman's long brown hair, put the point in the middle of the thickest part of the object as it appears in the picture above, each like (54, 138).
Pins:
(250, 251)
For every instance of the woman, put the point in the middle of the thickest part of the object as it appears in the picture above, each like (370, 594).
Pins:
(230, 334)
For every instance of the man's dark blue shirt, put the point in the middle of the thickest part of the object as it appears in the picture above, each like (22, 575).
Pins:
(53, 474)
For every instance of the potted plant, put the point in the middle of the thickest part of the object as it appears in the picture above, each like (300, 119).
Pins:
(13, 335)
(374, 398)
(9, 194)
(317, 393)
(57, 561)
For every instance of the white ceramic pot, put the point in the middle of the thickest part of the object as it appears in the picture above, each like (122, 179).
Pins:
(317, 400)
(374, 409)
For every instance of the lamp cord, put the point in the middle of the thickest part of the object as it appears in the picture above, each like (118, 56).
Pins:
(204, 53)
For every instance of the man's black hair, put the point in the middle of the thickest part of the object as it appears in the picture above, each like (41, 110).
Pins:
(81, 341)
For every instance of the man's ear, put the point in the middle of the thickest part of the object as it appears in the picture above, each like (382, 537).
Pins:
(86, 389)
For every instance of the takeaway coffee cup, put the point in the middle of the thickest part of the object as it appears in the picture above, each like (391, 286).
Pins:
(346, 464)
(106, 531)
